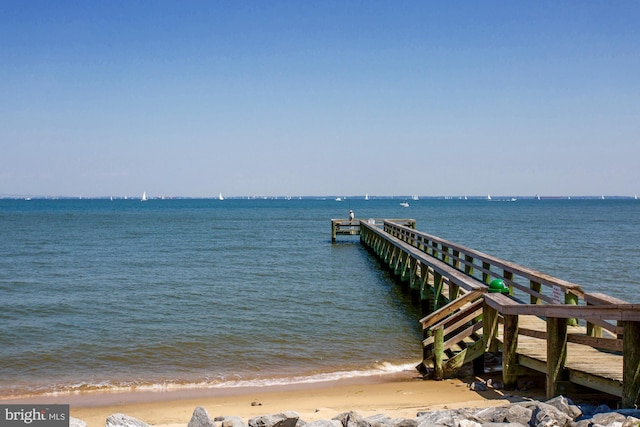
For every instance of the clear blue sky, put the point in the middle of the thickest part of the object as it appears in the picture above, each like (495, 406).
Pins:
(193, 98)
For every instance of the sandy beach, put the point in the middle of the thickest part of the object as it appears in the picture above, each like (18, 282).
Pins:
(397, 395)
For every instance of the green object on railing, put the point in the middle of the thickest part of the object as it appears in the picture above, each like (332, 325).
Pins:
(497, 285)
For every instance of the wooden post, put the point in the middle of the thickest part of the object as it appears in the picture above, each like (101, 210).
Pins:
(490, 329)
(413, 275)
(631, 365)
(509, 352)
(405, 274)
(572, 299)
(438, 283)
(426, 291)
(445, 254)
(468, 265)
(556, 353)
(438, 353)
(592, 329)
(536, 287)
(333, 230)
(508, 275)
(486, 277)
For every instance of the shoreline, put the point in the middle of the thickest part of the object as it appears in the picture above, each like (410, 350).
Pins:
(395, 395)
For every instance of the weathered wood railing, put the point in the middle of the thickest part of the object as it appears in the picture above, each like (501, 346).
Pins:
(561, 363)
(524, 283)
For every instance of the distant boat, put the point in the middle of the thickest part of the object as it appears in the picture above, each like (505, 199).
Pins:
(415, 198)
(537, 197)
(220, 197)
(144, 197)
(404, 204)
(489, 197)
(366, 196)
(338, 199)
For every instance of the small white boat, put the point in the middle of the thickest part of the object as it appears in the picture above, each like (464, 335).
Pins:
(338, 199)
(404, 204)
(415, 198)
(144, 197)
(220, 197)
(489, 197)
(366, 196)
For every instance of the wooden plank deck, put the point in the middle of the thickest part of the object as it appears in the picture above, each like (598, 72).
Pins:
(585, 365)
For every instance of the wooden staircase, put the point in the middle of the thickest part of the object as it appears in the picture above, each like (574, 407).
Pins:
(451, 337)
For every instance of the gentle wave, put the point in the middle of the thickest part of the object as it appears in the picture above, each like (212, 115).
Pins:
(383, 368)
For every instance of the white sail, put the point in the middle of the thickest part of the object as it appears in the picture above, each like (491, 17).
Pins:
(144, 197)
(220, 197)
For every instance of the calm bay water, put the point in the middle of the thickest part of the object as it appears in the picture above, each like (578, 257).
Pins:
(205, 293)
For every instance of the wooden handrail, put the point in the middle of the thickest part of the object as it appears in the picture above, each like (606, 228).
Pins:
(418, 238)
(620, 312)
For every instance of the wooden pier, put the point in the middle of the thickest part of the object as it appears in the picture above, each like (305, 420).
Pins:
(476, 304)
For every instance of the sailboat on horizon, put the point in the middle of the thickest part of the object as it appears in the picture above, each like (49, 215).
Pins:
(220, 197)
(144, 197)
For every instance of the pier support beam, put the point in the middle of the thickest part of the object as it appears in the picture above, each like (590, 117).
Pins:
(509, 352)
(556, 354)
(631, 365)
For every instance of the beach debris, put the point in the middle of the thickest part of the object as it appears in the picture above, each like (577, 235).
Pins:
(256, 404)
(122, 420)
(478, 386)
(201, 418)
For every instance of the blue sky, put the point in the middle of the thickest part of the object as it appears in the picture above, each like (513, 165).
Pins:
(193, 98)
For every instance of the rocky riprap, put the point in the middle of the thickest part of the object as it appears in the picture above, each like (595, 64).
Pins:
(557, 412)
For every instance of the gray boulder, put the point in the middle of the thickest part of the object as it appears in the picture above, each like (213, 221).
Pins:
(76, 422)
(518, 415)
(492, 415)
(631, 422)
(504, 425)
(351, 419)
(200, 418)
(230, 421)
(435, 418)
(566, 406)
(405, 422)
(324, 423)
(283, 419)
(612, 419)
(544, 415)
(122, 420)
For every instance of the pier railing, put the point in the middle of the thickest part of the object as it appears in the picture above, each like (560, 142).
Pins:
(524, 283)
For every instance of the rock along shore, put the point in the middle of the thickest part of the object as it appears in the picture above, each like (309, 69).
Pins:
(557, 412)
